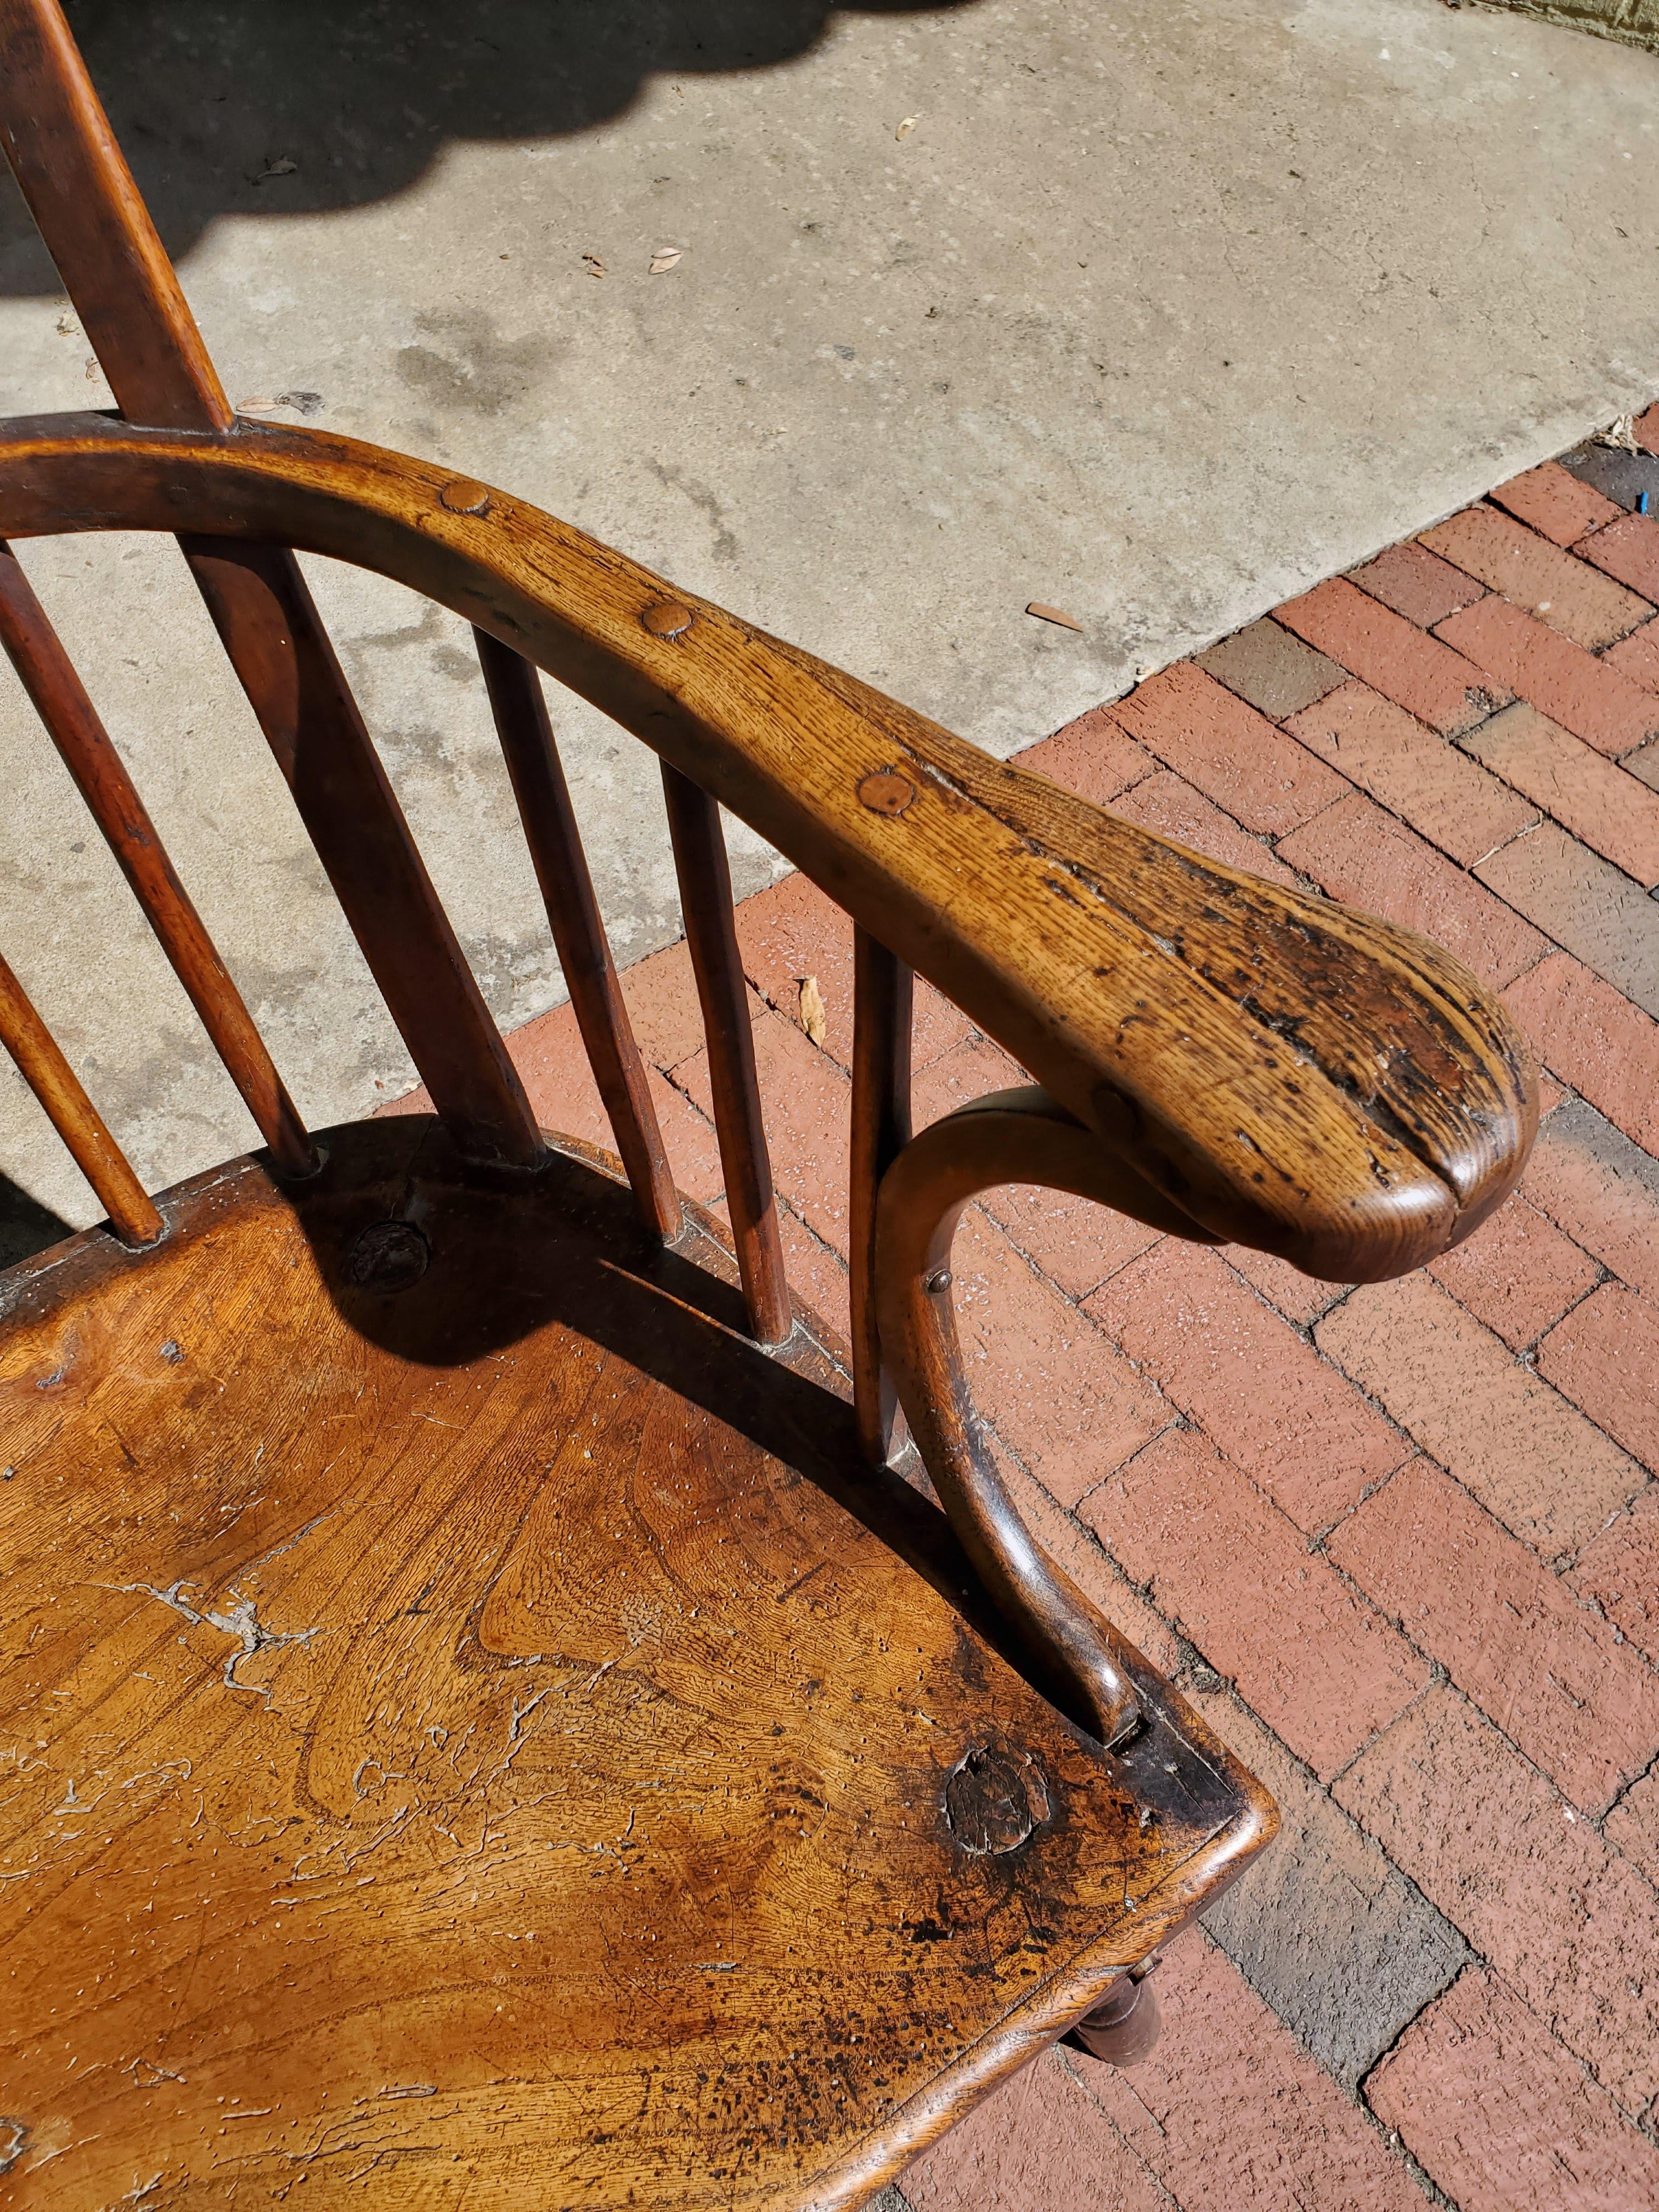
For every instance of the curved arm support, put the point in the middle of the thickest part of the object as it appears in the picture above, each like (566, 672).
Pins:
(1009, 1136)
(1315, 1082)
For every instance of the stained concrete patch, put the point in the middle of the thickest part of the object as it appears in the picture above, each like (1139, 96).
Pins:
(1634, 21)
(1158, 315)
(1322, 1926)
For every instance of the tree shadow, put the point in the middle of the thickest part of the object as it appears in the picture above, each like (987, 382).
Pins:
(301, 106)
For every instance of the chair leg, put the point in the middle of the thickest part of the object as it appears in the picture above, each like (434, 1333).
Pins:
(1124, 2026)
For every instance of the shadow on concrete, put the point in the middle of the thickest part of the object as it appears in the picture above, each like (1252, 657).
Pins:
(25, 1226)
(213, 100)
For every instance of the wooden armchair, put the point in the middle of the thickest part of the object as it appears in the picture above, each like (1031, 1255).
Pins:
(489, 1721)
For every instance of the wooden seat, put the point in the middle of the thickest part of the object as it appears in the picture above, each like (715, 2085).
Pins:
(516, 1757)
(503, 1717)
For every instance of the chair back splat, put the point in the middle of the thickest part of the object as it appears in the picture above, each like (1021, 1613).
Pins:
(540, 1728)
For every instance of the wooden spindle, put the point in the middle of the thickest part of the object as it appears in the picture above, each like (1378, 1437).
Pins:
(287, 663)
(705, 876)
(72, 721)
(883, 991)
(100, 234)
(74, 1116)
(532, 752)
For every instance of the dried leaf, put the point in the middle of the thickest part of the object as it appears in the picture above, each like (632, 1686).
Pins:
(282, 168)
(302, 402)
(812, 1009)
(906, 127)
(593, 264)
(1052, 615)
(1620, 435)
(256, 406)
(665, 258)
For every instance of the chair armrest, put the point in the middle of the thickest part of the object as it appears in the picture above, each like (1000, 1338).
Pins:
(1291, 1074)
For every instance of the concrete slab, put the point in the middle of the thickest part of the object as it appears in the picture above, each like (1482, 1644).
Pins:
(1157, 314)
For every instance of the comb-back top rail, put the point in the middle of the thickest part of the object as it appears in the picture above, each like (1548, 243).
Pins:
(1291, 1074)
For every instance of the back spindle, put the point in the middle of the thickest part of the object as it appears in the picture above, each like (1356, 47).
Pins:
(883, 991)
(520, 706)
(705, 878)
(74, 1116)
(57, 137)
(72, 721)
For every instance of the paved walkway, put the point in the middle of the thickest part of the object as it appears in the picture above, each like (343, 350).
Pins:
(1398, 1544)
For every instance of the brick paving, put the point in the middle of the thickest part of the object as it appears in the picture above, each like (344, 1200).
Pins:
(1401, 1544)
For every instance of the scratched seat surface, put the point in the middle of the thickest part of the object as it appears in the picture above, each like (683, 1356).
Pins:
(478, 1732)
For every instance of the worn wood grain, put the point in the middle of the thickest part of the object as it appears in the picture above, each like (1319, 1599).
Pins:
(1294, 1075)
(487, 1738)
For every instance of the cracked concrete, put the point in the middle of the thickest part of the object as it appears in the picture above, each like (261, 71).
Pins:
(1159, 314)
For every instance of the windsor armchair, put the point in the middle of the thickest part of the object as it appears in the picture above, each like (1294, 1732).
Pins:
(491, 1722)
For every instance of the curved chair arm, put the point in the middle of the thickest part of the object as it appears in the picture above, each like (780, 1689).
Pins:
(1284, 1071)
(1008, 1136)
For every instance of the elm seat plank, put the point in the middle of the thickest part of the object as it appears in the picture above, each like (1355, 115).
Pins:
(501, 1740)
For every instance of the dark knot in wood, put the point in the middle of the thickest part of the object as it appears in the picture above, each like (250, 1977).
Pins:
(389, 1256)
(885, 791)
(994, 1800)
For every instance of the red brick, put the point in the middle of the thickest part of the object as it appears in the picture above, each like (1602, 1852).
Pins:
(1102, 1581)
(805, 1103)
(1167, 805)
(1425, 676)
(816, 1275)
(1633, 1827)
(1588, 696)
(1597, 1042)
(1274, 671)
(1621, 1572)
(1529, 1457)
(1363, 857)
(1500, 2116)
(1643, 765)
(793, 930)
(1075, 1242)
(1564, 1918)
(1615, 815)
(1580, 1703)
(1566, 594)
(1437, 789)
(1301, 1298)
(1637, 656)
(1555, 503)
(1094, 756)
(1416, 583)
(1065, 1399)
(1293, 1423)
(1589, 907)
(1236, 1576)
(1603, 1190)
(1027, 2148)
(661, 996)
(553, 1066)
(1232, 2115)
(1234, 756)
(1517, 1273)
(1605, 1356)
(1629, 550)
(1646, 428)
